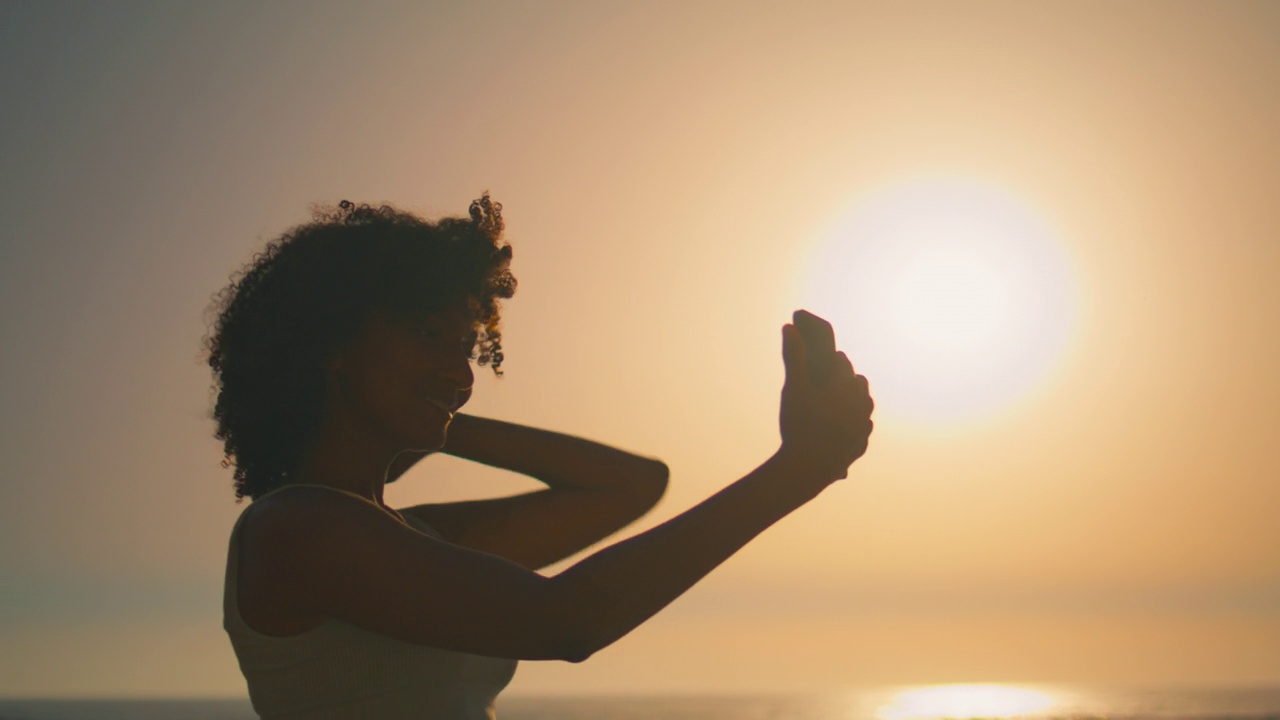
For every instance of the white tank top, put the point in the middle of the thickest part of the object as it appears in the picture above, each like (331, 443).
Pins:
(339, 671)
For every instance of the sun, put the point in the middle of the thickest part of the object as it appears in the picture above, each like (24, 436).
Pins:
(953, 297)
(949, 301)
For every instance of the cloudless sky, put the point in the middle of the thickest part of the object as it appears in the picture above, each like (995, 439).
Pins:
(667, 172)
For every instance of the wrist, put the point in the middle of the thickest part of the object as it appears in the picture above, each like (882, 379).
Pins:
(802, 474)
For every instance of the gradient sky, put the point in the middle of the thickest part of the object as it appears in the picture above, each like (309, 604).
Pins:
(668, 172)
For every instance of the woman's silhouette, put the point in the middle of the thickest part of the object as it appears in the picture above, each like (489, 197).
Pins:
(341, 356)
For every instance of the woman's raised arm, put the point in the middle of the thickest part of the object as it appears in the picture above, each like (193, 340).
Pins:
(342, 558)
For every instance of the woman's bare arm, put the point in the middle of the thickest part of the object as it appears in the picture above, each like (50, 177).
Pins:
(342, 558)
(593, 490)
(337, 557)
(615, 590)
(559, 460)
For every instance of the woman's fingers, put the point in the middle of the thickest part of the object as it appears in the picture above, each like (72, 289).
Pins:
(853, 405)
(856, 407)
(864, 393)
(849, 384)
(843, 365)
(857, 385)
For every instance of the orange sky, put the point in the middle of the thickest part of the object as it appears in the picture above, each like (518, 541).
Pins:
(668, 173)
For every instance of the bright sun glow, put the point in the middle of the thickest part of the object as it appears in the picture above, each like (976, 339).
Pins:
(948, 301)
(952, 297)
(965, 701)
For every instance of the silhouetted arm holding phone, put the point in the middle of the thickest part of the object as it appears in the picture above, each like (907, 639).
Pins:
(346, 560)
(824, 429)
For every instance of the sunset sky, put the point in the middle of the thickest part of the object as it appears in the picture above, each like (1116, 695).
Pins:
(1080, 483)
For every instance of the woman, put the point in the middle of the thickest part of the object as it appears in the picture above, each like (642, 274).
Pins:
(342, 356)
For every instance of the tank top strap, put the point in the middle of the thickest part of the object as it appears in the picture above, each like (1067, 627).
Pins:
(358, 496)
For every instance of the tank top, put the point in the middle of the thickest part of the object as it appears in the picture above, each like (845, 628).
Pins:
(337, 671)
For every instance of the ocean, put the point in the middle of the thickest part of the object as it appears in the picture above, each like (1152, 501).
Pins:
(934, 702)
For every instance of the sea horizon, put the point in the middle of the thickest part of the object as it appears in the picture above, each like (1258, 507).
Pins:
(1040, 701)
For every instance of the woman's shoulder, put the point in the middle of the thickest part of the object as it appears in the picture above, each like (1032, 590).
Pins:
(277, 533)
(294, 509)
(298, 537)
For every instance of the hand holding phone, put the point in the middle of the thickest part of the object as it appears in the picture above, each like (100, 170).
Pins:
(824, 417)
(819, 344)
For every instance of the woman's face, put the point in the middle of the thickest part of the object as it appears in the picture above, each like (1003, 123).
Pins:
(405, 379)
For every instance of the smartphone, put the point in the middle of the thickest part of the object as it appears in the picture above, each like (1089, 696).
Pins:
(819, 344)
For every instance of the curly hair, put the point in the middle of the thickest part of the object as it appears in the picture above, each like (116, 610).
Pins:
(309, 293)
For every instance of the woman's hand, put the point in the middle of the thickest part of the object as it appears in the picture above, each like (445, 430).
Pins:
(823, 426)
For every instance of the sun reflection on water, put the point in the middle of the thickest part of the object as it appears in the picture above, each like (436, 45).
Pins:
(936, 702)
